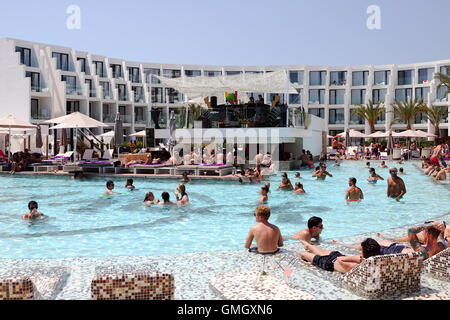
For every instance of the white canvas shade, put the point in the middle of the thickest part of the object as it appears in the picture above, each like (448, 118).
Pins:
(12, 122)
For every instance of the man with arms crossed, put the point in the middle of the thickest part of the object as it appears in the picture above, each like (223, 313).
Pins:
(267, 236)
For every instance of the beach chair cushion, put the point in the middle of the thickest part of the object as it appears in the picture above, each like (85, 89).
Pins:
(438, 266)
(386, 275)
(252, 285)
(133, 286)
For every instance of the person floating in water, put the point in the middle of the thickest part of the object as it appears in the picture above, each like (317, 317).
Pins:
(149, 198)
(129, 184)
(374, 177)
(268, 236)
(183, 199)
(299, 188)
(353, 193)
(166, 200)
(264, 197)
(285, 183)
(396, 185)
(33, 214)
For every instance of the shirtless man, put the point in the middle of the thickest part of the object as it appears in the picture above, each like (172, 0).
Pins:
(109, 188)
(434, 159)
(314, 229)
(396, 187)
(336, 261)
(353, 193)
(33, 214)
(285, 183)
(264, 197)
(268, 236)
(442, 174)
(322, 173)
(433, 244)
(383, 165)
(166, 200)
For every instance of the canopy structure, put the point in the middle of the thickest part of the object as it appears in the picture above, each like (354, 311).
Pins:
(139, 134)
(12, 122)
(194, 87)
(379, 134)
(413, 134)
(353, 134)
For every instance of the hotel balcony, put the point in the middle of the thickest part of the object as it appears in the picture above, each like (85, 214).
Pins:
(109, 118)
(74, 91)
(40, 114)
(141, 121)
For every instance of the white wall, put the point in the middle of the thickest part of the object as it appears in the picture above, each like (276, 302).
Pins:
(314, 144)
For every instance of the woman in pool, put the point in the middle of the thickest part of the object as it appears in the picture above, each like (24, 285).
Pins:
(129, 184)
(264, 197)
(285, 183)
(183, 199)
(149, 198)
(299, 188)
(374, 177)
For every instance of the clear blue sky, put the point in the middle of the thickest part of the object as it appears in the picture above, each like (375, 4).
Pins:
(239, 32)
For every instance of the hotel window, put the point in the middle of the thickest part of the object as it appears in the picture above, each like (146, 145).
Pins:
(403, 94)
(355, 119)
(62, 61)
(82, 64)
(122, 90)
(212, 73)
(35, 81)
(25, 56)
(338, 78)
(444, 70)
(72, 106)
(233, 73)
(337, 96)
(381, 119)
(157, 95)
(149, 75)
(170, 73)
(360, 78)
(405, 77)
(296, 77)
(358, 96)
(336, 116)
(138, 94)
(71, 84)
(317, 78)
(425, 75)
(192, 73)
(422, 93)
(440, 95)
(317, 96)
(378, 95)
(296, 98)
(99, 68)
(420, 118)
(91, 89)
(139, 115)
(116, 71)
(34, 109)
(106, 91)
(318, 112)
(382, 77)
(133, 75)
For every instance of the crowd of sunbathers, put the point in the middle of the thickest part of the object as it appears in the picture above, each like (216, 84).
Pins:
(428, 238)
(20, 161)
(436, 166)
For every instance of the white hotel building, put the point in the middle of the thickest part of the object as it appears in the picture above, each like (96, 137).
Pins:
(40, 81)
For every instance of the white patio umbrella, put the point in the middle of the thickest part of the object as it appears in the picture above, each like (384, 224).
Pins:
(353, 134)
(139, 134)
(12, 122)
(379, 134)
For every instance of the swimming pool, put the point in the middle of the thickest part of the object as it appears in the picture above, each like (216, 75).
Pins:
(82, 222)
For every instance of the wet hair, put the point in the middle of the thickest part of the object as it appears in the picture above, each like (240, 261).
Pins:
(263, 211)
(165, 196)
(353, 180)
(265, 188)
(368, 164)
(299, 184)
(284, 175)
(297, 174)
(372, 170)
(401, 170)
(32, 205)
(182, 189)
(148, 195)
(370, 248)
(314, 222)
(109, 183)
(129, 182)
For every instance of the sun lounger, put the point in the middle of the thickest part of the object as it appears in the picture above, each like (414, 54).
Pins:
(96, 166)
(139, 285)
(387, 275)
(146, 168)
(438, 266)
(383, 156)
(222, 169)
(88, 154)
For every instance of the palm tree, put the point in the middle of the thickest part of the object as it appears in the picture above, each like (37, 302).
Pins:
(406, 111)
(369, 112)
(444, 80)
(435, 114)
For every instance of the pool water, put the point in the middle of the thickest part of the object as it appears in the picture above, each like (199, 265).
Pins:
(83, 222)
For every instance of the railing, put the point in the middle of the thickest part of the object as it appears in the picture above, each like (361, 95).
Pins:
(109, 118)
(107, 96)
(74, 91)
(42, 114)
(298, 118)
(92, 93)
(125, 118)
(141, 121)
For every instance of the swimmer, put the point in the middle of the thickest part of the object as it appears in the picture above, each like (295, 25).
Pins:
(383, 165)
(166, 200)
(396, 185)
(401, 171)
(322, 173)
(299, 188)
(267, 185)
(149, 198)
(374, 177)
(297, 175)
(129, 184)
(185, 178)
(285, 183)
(33, 214)
(184, 199)
(314, 229)
(109, 189)
(264, 197)
(353, 193)
(368, 165)
(78, 175)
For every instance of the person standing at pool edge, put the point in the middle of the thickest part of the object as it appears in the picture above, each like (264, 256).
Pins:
(268, 236)
(396, 186)
(353, 193)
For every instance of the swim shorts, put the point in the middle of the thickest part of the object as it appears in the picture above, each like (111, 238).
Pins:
(326, 262)
(392, 249)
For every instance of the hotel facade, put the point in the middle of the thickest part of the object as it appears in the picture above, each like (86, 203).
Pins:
(40, 81)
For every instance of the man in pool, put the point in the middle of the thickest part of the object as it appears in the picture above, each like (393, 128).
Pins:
(396, 187)
(336, 261)
(322, 173)
(353, 193)
(314, 229)
(383, 165)
(368, 165)
(109, 188)
(268, 236)
(33, 214)
(166, 200)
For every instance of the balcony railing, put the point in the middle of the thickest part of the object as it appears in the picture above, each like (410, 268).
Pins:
(74, 91)
(126, 118)
(95, 116)
(109, 118)
(139, 99)
(41, 114)
(93, 93)
(140, 121)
